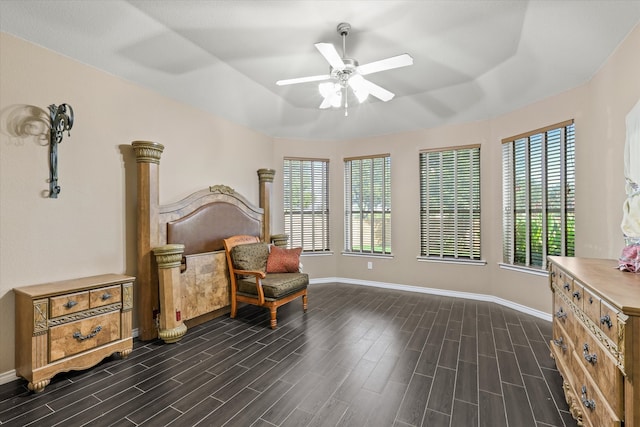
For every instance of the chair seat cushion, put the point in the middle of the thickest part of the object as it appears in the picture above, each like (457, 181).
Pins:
(275, 285)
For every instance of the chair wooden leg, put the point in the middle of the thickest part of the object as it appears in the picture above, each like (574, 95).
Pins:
(304, 303)
(274, 321)
(234, 308)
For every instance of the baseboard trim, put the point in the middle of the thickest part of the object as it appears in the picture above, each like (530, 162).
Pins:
(443, 292)
(7, 377)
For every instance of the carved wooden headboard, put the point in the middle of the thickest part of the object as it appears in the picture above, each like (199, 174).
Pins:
(182, 271)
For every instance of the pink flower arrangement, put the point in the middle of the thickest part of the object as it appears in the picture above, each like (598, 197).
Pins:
(630, 259)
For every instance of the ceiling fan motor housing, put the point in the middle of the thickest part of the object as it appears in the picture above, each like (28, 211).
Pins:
(343, 75)
(343, 28)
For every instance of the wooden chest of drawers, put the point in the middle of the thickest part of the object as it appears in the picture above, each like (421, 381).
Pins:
(71, 325)
(596, 339)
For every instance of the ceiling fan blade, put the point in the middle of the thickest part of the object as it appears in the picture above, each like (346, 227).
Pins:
(303, 80)
(356, 82)
(377, 91)
(331, 55)
(386, 64)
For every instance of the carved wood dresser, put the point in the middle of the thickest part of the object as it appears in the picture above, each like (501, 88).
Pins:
(596, 339)
(71, 325)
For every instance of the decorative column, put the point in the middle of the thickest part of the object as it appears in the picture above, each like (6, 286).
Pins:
(171, 328)
(148, 163)
(266, 182)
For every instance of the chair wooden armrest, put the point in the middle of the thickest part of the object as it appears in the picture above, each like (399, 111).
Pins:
(258, 276)
(256, 273)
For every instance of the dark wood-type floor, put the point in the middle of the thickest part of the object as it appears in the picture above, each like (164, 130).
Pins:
(360, 356)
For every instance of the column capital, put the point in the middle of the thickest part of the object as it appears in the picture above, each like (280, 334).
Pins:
(266, 175)
(147, 152)
(169, 256)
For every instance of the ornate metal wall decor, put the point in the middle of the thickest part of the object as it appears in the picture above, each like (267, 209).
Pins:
(60, 122)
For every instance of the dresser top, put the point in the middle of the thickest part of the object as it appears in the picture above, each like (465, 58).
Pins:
(72, 285)
(622, 289)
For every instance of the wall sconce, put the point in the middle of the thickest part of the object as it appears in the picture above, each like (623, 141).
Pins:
(60, 122)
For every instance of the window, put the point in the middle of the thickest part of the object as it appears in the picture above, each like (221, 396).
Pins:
(368, 204)
(538, 194)
(306, 203)
(450, 203)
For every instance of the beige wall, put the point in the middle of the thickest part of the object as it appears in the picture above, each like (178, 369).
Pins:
(90, 229)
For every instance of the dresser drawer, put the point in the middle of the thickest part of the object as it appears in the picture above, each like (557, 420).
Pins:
(69, 303)
(609, 323)
(563, 313)
(105, 296)
(577, 294)
(561, 345)
(596, 411)
(561, 279)
(599, 365)
(591, 306)
(82, 335)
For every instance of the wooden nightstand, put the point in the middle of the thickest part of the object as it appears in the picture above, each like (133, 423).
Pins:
(71, 325)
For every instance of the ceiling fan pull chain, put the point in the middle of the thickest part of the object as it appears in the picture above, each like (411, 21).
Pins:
(346, 103)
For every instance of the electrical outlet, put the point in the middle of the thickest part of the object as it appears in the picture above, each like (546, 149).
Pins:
(370, 265)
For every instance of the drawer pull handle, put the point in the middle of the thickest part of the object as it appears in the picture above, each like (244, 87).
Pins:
(560, 343)
(588, 403)
(606, 320)
(566, 286)
(590, 300)
(93, 333)
(591, 358)
(561, 314)
(106, 296)
(576, 294)
(70, 303)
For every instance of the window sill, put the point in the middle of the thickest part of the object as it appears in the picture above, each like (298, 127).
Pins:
(522, 269)
(319, 253)
(366, 255)
(452, 260)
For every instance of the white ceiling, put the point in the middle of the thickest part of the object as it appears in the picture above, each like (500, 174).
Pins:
(473, 59)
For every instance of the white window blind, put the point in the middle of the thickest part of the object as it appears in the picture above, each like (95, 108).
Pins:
(538, 193)
(368, 204)
(306, 203)
(450, 203)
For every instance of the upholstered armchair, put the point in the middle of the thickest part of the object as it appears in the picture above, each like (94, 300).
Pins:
(264, 275)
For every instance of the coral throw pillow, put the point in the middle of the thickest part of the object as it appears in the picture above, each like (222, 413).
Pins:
(283, 260)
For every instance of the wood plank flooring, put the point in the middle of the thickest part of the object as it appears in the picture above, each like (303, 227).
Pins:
(360, 356)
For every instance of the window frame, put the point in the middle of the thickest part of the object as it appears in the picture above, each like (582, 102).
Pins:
(439, 168)
(313, 231)
(380, 183)
(544, 203)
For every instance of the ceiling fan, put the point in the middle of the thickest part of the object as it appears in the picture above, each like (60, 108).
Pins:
(346, 72)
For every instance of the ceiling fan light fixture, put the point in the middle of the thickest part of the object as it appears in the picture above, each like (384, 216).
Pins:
(332, 94)
(359, 88)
